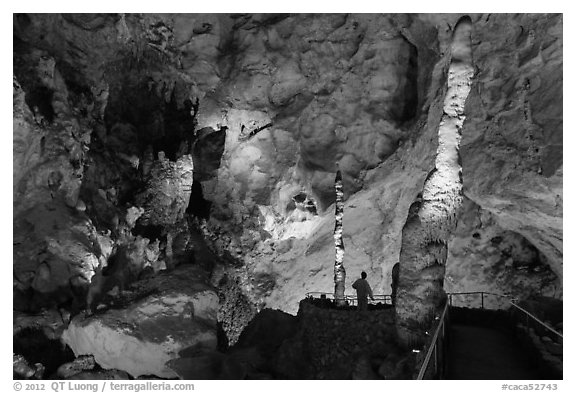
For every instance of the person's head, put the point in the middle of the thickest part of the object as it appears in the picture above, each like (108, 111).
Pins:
(363, 275)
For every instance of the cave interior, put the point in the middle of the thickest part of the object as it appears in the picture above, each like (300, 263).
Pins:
(176, 213)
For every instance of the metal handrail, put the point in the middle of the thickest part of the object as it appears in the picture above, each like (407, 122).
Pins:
(537, 320)
(442, 325)
(387, 299)
(512, 300)
(476, 292)
(440, 332)
(482, 293)
(433, 349)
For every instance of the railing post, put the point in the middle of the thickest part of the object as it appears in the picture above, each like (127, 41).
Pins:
(435, 360)
(482, 297)
(444, 349)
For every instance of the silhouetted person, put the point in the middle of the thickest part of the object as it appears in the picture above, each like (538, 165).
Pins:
(363, 290)
(395, 275)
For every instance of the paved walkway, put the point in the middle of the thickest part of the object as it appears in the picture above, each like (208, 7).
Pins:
(482, 353)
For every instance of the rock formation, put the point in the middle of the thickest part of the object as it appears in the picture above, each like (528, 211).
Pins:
(432, 217)
(339, 271)
(512, 139)
(483, 256)
(148, 143)
(165, 315)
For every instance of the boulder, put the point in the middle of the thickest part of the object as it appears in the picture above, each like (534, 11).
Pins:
(80, 364)
(21, 367)
(268, 330)
(166, 314)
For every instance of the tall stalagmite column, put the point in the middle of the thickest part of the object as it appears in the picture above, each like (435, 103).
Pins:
(432, 217)
(339, 271)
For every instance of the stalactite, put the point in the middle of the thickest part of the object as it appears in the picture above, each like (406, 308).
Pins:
(339, 271)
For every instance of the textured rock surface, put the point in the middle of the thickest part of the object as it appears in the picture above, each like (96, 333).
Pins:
(338, 344)
(51, 322)
(21, 368)
(78, 365)
(56, 250)
(512, 139)
(281, 278)
(482, 256)
(167, 191)
(168, 313)
(306, 77)
(266, 105)
(236, 310)
(432, 216)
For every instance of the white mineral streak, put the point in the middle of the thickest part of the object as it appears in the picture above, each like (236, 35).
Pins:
(442, 194)
(339, 271)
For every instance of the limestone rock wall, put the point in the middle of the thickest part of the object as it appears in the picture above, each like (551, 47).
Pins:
(79, 141)
(512, 139)
(483, 256)
(256, 229)
(266, 105)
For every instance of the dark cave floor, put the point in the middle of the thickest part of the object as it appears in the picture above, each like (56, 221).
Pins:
(483, 353)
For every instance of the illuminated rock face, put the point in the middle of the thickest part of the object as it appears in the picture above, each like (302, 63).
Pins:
(168, 191)
(172, 312)
(335, 118)
(265, 105)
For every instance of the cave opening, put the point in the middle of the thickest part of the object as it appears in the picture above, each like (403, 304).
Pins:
(409, 110)
(198, 206)
(152, 232)
(304, 202)
(159, 110)
(36, 347)
(38, 97)
(179, 124)
(300, 197)
(207, 152)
